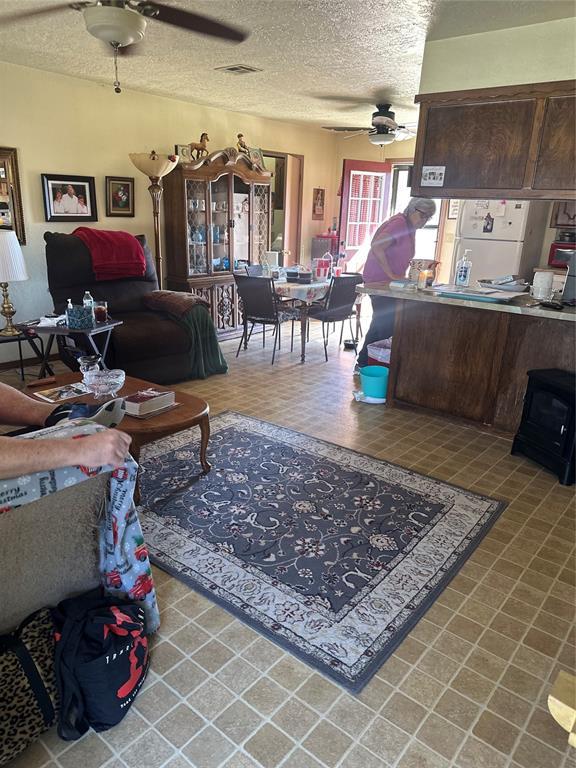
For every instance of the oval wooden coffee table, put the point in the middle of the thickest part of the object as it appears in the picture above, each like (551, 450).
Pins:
(190, 412)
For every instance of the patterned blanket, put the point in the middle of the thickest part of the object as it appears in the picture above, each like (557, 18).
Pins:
(124, 564)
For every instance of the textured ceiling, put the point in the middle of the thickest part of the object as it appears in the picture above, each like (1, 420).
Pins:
(310, 51)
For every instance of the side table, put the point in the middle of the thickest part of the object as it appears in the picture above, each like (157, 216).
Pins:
(52, 331)
(29, 336)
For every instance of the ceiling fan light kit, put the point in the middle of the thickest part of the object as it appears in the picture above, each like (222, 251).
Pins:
(381, 138)
(119, 26)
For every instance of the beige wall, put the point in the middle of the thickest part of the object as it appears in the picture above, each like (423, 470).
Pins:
(536, 53)
(63, 124)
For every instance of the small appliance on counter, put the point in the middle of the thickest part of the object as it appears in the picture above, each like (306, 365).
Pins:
(560, 253)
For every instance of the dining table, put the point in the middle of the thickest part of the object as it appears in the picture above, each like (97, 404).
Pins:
(306, 294)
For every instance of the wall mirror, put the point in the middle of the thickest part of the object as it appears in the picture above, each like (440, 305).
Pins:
(11, 212)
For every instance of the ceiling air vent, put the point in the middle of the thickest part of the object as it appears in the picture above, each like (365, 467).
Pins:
(238, 69)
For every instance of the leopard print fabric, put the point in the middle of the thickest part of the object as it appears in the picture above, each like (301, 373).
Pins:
(21, 720)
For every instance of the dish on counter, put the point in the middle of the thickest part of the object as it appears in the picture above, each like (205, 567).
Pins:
(516, 286)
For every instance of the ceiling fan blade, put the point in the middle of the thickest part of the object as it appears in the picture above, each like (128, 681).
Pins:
(355, 100)
(341, 128)
(357, 133)
(402, 133)
(194, 22)
(34, 13)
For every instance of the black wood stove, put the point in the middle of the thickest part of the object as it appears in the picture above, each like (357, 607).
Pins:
(546, 432)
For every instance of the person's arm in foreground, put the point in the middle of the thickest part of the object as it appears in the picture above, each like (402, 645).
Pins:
(16, 408)
(22, 456)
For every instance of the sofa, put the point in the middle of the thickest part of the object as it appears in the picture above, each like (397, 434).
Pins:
(49, 550)
(149, 344)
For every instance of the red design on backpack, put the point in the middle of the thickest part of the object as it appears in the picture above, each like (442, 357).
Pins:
(136, 668)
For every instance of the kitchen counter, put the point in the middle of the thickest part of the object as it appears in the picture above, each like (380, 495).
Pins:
(521, 304)
(469, 359)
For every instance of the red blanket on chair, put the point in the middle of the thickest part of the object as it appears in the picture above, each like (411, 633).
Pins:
(114, 254)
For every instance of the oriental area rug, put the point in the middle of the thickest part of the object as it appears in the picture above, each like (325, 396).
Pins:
(332, 554)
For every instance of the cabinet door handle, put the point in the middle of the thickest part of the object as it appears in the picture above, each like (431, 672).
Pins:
(231, 223)
(563, 429)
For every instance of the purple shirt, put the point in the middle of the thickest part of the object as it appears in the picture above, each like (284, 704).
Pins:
(399, 251)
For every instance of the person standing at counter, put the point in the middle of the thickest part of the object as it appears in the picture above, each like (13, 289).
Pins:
(390, 253)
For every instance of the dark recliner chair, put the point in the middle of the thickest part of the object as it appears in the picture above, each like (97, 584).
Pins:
(149, 345)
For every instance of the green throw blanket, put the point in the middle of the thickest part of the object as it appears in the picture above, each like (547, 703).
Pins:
(191, 312)
(206, 357)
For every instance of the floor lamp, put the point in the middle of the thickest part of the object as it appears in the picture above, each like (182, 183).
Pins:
(155, 166)
(12, 269)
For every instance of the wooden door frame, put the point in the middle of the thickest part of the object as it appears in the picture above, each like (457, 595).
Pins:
(285, 155)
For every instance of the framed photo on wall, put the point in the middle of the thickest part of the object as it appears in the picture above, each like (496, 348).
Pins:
(119, 196)
(563, 214)
(69, 198)
(318, 200)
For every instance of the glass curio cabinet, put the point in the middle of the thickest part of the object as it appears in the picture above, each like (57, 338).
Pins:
(217, 220)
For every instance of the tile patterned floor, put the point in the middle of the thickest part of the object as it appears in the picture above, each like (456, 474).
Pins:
(468, 686)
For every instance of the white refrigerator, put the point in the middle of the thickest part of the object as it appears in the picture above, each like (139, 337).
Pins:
(504, 236)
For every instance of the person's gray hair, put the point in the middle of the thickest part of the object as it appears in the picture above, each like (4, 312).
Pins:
(423, 204)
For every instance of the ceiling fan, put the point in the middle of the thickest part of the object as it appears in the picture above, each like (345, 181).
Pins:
(384, 128)
(122, 23)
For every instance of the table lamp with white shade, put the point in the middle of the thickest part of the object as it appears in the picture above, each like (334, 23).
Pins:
(155, 166)
(12, 269)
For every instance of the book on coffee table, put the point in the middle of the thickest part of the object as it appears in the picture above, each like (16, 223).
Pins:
(151, 414)
(148, 401)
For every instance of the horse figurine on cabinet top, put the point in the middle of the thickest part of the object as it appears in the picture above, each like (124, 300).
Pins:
(199, 147)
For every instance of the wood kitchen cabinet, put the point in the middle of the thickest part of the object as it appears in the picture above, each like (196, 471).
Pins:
(217, 213)
(514, 141)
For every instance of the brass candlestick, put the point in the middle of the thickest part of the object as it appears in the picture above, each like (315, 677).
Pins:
(8, 312)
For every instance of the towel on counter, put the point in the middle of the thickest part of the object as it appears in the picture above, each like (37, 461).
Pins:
(114, 254)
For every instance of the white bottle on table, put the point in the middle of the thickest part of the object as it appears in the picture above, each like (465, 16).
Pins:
(88, 301)
(463, 270)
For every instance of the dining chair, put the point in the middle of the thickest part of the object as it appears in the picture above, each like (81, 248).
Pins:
(337, 306)
(261, 305)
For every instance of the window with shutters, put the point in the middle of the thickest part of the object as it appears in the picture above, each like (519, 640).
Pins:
(365, 206)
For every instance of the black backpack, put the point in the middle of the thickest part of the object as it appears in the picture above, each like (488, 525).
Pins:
(101, 661)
